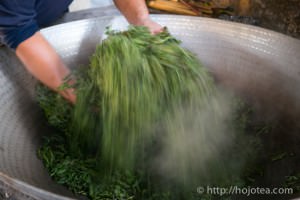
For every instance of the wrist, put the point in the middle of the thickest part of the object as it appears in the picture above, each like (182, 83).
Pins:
(140, 20)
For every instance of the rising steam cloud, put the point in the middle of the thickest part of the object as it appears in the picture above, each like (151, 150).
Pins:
(202, 144)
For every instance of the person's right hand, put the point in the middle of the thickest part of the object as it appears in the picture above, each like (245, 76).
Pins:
(42, 61)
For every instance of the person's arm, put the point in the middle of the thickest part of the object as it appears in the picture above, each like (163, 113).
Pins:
(136, 13)
(41, 60)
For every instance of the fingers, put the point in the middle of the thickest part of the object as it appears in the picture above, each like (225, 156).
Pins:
(153, 27)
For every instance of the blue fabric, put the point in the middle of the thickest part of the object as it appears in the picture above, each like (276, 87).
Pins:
(20, 19)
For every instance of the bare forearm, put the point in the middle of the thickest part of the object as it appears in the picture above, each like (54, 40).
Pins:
(135, 11)
(42, 62)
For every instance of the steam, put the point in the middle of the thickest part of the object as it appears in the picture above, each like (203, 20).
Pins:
(202, 144)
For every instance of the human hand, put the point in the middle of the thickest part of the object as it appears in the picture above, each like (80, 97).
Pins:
(151, 25)
(69, 94)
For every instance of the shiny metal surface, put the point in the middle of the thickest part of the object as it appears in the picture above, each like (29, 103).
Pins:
(261, 64)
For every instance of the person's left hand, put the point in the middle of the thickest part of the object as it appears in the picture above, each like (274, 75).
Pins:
(153, 26)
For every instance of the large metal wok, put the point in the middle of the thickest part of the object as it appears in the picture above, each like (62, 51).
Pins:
(262, 65)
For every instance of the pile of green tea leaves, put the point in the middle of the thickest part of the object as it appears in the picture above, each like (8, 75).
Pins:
(136, 88)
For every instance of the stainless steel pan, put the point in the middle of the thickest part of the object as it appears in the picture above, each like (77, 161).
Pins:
(262, 65)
